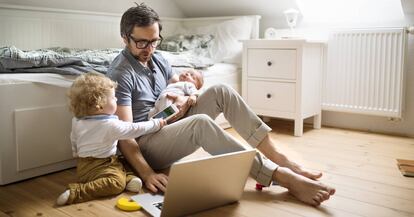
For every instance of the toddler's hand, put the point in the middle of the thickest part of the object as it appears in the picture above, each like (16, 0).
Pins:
(162, 123)
(192, 100)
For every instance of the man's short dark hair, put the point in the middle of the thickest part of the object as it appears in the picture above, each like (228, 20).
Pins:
(141, 16)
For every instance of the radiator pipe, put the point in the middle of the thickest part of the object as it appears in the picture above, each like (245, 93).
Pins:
(410, 29)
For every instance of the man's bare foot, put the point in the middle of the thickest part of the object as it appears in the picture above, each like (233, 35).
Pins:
(307, 190)
(268, 148)
(301, 171)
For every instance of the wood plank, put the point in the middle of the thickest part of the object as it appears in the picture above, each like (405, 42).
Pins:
(110, 202)
(364, 185)
(2, 214)
(22, 202)
(325, 161)
(357, 146)
(309, 154)
(360, 165)
(90, 208)
(345, 144)
(375, 198)
(278, 198)
(396, 180)
(15, 206)
(357, 207)
(284, 127)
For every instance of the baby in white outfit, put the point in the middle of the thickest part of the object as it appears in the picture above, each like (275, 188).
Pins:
(189, 84)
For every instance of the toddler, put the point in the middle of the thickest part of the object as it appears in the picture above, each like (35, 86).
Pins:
(189, 84)
(95, 133)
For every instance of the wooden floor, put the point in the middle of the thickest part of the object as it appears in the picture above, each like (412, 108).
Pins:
(360, 165)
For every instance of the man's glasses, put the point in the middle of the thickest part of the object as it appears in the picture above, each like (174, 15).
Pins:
(142, 44)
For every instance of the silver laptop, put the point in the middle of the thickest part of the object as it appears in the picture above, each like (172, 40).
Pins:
(200, 184)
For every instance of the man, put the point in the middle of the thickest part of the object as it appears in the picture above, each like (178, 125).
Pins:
(142, 75)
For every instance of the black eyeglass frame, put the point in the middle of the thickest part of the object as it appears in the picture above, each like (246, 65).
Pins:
(153, 43)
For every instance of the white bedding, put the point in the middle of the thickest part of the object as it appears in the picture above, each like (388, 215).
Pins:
(45, 78)
(218, 73)
(225, 73)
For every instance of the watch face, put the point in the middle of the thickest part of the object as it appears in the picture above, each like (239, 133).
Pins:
(270, 33)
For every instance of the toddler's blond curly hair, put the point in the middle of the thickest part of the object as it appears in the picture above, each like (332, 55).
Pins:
(88, 93)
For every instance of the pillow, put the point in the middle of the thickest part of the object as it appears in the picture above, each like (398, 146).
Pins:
(198, 44)
(226, 46)
(186, 59)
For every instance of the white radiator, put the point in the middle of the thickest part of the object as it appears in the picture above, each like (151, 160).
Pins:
(365, 72)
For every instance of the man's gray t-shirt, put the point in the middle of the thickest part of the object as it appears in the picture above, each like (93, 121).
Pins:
(139, 86)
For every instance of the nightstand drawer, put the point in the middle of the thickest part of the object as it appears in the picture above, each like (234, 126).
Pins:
(278, 96)
(272, 63)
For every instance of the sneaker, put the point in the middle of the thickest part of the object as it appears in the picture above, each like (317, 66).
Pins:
(134, 185)
(63, 198)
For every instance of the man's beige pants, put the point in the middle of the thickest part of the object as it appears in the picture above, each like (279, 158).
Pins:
(198, 129)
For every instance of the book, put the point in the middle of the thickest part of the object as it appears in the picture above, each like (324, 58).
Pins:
(406, 167)
(407, 170)
(405, 162)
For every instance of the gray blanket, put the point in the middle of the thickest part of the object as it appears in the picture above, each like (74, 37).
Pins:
(67, 61)
(56, 60)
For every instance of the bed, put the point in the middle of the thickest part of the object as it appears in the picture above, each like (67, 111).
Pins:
(35, 120)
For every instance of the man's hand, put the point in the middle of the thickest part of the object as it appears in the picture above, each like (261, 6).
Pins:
(182, 105)
(156, 181)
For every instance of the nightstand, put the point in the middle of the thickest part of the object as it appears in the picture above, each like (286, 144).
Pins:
(282, 79)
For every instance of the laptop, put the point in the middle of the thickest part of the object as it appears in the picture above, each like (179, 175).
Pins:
(200, 184)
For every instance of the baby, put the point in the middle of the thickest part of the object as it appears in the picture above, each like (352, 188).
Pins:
(189, 84)
(95, 133)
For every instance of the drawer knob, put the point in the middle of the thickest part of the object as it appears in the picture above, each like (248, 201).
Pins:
(269, 95)
(269, 63)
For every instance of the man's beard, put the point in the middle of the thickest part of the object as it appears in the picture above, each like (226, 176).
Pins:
(143, 56)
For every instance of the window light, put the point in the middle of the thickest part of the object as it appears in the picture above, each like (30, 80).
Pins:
(351, 11)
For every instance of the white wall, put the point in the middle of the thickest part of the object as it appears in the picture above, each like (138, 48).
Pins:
(165, 8)
(270, 10)
(272, 16)
(405, 126)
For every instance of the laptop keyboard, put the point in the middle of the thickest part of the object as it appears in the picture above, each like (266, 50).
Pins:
(159, 205)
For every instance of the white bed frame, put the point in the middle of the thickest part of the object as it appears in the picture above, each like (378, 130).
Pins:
(35, 121)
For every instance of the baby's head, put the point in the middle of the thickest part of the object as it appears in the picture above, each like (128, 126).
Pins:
(92, 94)
(193, 76)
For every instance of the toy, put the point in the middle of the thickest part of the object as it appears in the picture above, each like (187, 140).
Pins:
(127, 204)
(259, 186)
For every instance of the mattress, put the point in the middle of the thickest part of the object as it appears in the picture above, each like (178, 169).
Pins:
(223, 73)
(44, 78)
(35, 126)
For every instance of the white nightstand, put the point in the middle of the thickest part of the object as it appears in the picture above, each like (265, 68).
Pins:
(282, 78)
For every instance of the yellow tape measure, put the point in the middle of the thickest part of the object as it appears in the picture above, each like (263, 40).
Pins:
(127, 204)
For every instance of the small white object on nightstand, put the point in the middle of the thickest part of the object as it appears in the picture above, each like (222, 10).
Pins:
(270, 33)
(291, 19)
